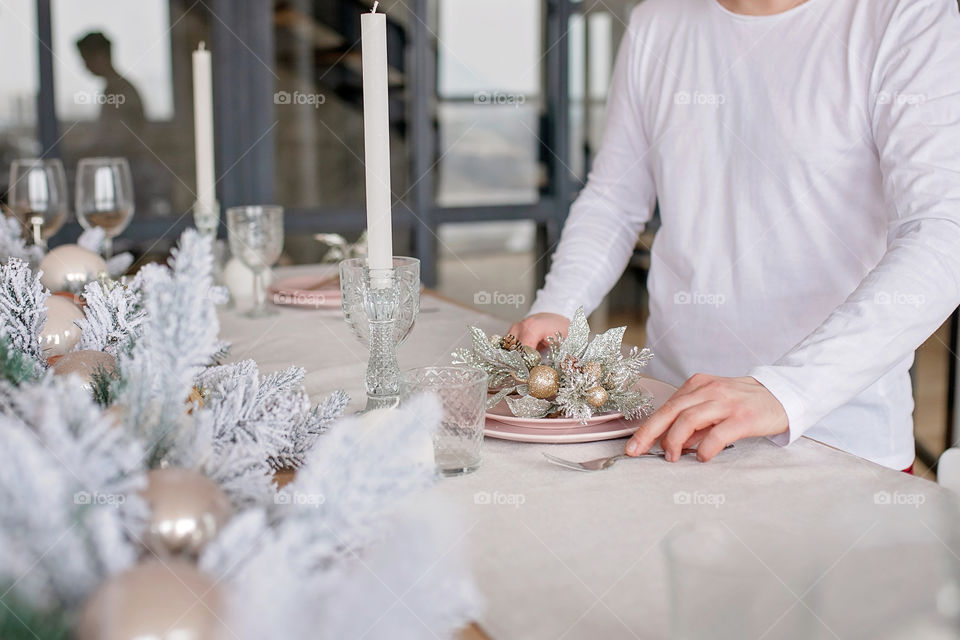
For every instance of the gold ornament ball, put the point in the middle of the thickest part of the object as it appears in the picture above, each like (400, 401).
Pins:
(544, 382)
(69, 267)
(169, 599)
(593, 369)
(60, 333)
(597, 396)
(187, 510)
(84, 363)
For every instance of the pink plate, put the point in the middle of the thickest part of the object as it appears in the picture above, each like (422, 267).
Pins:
(308, 292)
(607, 429)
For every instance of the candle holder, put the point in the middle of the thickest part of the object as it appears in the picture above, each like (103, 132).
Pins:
(380, 307)
(206, 220)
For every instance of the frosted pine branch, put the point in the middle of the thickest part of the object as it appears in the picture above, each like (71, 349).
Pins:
(307, 430)
(68, 483)
(179, 338)
(12, 244)
(23, 307)
(355, 519)
(113, 317)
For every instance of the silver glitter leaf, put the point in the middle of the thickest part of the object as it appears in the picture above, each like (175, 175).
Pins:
(495, 399)
(529, 407)
(605, 347)
(577, 336)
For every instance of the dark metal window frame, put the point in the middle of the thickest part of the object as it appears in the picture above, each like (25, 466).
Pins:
(243, 46)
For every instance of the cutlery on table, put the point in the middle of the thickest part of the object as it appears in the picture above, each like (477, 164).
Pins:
(605, 463)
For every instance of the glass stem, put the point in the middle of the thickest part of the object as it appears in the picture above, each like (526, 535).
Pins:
(37, 235)
(259, 295)
(383, 370)
(107, 247)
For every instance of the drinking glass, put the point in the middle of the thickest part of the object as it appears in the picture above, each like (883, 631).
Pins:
(105, 197)
(255, 234)
(355, 280)
(38, 196)
(463, 394)
(380, 307)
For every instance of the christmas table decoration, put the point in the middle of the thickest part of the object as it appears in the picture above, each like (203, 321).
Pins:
(84, 510)
(156, 599)
(60, 333)
(70, 267)
(577, 377)
(187, 510)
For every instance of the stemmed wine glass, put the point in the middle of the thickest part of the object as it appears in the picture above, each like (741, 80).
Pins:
(105, 197)
(38, 196)
(255, 234)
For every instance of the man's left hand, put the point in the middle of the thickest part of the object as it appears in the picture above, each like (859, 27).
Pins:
(711, 412)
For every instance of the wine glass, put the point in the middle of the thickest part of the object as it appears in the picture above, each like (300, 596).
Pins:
(105, 197)
(38, 196)
(256, 238)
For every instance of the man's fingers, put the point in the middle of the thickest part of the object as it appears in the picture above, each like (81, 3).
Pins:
(695, 382)
(528, 337)
(696, 438)
(688, 422)
(651, 430)
(719, 437)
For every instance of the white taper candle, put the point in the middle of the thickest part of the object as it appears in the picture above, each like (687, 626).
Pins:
(376, 139)
(203, 130)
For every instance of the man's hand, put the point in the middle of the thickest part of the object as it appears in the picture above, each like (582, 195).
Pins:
(534, 330)
(712, 412)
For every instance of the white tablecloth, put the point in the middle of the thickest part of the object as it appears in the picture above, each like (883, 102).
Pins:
(858, 550)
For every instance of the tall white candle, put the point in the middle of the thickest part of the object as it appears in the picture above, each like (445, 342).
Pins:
(203, 131)
(376, 139)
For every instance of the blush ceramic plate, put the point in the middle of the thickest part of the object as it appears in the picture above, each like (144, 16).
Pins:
(318, 291)
(610, 426)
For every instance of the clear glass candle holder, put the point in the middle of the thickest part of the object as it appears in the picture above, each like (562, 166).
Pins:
(462, 392)
(380, 307)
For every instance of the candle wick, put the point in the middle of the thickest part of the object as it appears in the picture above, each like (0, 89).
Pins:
(375, 4)
(202, 46)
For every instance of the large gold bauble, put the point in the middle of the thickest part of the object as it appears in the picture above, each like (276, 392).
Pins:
(544, 382)
(69, 267)
(597, 396)
(187, 510)
(156, 600)
(60, 333)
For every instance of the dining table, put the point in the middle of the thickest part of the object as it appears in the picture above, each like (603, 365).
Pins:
(802, 541)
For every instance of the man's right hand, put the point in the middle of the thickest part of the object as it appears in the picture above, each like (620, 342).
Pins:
(534, 330)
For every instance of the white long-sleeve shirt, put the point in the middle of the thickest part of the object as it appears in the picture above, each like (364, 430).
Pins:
(807, 168)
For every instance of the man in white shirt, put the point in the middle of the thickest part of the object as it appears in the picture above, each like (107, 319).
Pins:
(806, 160)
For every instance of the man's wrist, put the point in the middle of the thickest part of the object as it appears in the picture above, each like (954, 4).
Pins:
(791, 402)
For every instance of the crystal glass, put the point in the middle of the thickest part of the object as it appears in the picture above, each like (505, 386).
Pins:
(255, 234)
(380, 306)
(105, 197)
(463, 394)
(38, 196)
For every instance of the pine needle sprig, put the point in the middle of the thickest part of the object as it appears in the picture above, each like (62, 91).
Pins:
(178, 339)
(23, 308)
